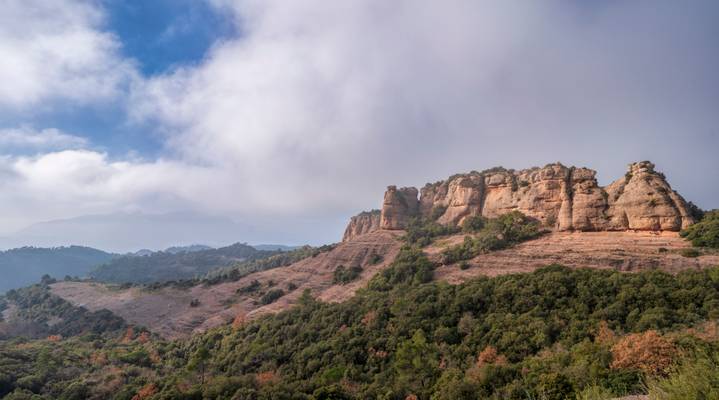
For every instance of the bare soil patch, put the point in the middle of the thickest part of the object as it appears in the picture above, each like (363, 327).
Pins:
(622, 251)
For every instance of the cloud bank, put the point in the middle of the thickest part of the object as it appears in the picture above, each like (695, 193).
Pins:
(318, 105)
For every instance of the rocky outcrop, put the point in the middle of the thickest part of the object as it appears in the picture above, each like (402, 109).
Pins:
(561, 198)
(362, 223)
(398, 207)
(643, 200)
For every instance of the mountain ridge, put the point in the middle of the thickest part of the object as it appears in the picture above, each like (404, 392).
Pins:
(561, 198)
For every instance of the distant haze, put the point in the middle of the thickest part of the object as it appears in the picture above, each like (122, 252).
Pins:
(129, 232)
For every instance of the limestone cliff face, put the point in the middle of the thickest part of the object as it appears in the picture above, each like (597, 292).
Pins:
(362, 223)
(562, 198)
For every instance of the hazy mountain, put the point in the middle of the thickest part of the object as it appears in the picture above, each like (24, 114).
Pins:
(24, 266)
(187, 249)
(128, 232)
(280, 247)
(165, 266)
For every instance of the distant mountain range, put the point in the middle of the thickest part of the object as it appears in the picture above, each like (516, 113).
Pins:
(128, 232)
(24, 266)
(177, 264)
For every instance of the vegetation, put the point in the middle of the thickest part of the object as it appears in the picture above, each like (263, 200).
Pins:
(421, 231)
(164, 266)
(492, 234)
(39, 313)
(553, 334)
(704, 233)
(283, 259)
(344, 275)
(271, 296)
(24, 266)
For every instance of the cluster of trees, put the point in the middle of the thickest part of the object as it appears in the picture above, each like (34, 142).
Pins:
(555, 333)
(489, 234)
(343, 275)
(164, 266)
(39, 313)
(704, 233)
(282, 259)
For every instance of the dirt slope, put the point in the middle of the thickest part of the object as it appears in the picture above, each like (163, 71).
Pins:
(168, 312)
(623, 251)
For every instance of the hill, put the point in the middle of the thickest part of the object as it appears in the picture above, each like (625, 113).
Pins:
(165, 266)
(24, 266)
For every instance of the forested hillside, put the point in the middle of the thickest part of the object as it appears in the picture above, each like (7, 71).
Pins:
(165, 266)
(26, 265)
(552, 334)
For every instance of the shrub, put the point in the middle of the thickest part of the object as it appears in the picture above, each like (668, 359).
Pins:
(690, 253)
(422, 231)
(344, 275)
(695, 378)
(272, 296)
(251, 287)
(704, 233)
(648, 352)
(474, 223)
(495, 234)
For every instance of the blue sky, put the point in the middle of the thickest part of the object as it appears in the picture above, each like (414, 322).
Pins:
(161, 34)
(263, 111)
(157, 35)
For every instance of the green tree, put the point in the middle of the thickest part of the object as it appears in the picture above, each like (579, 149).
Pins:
(417, 364)
(198, 362)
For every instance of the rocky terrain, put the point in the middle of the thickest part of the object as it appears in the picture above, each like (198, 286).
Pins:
(561, 198)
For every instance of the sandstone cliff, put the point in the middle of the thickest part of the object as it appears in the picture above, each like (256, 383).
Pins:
(362, 223)
(562, 198)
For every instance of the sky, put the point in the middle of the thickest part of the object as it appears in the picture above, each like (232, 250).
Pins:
(289, 117)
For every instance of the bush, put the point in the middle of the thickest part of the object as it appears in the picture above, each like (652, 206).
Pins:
(250, 288)
(344, 275)
(494, 234)
(272, 296)
(696, 378)
(421, 231)
(690, 253)
(474, 223)
(704, 233)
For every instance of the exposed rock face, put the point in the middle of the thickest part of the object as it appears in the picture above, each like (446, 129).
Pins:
(643, 200)
(362, 223)
(562, 198)
(398, 207)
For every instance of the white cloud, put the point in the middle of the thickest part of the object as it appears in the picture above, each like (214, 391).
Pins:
(56, 49)
(318, 105)
(42, 140)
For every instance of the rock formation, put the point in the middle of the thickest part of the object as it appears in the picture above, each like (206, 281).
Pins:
(362, 223)
(562, 198)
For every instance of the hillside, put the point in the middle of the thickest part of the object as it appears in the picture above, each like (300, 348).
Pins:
(24, 266)
(174, 265)
(169, 310)
(479, 306)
